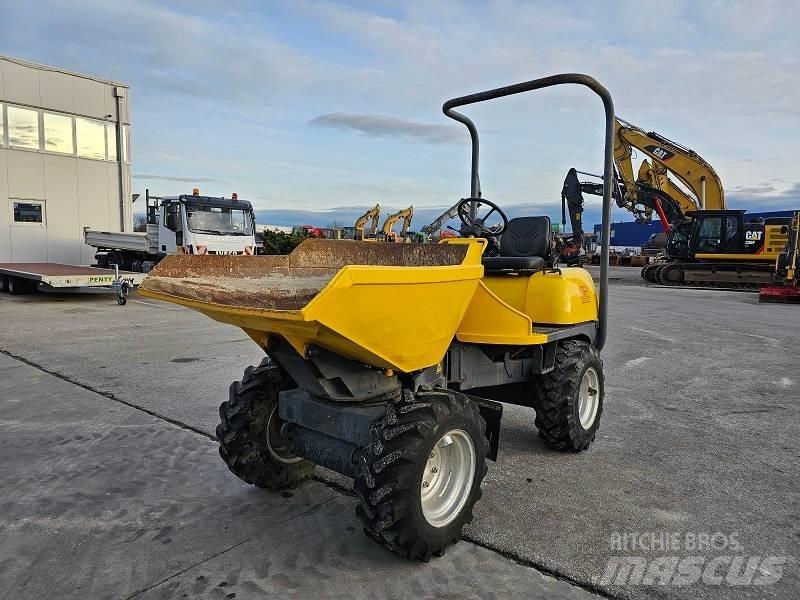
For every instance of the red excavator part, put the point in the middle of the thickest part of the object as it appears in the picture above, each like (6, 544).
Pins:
(779, 293)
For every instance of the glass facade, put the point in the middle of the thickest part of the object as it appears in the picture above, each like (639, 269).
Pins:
(57, 133)
(23, 127)
(91, 137)
(111, 139)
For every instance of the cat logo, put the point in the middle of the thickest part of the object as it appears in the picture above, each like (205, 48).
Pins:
(754, 236)
(659, 152)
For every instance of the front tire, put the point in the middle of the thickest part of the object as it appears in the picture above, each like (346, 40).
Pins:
(250, 439)
(569, 399)
(421, 475)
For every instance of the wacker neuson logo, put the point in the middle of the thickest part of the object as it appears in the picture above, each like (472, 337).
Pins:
(664, 558)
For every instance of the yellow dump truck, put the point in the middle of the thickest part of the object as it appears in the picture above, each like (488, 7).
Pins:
(390, 362)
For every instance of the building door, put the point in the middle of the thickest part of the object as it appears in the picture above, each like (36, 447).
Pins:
(28, 233)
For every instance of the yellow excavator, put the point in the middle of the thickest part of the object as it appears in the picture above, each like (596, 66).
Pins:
(386, 231)
(707, 244)
(372, 216)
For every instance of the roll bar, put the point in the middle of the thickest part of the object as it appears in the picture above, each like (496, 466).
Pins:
(608, 160)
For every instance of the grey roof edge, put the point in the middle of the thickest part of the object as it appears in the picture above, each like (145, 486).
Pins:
(41, 67)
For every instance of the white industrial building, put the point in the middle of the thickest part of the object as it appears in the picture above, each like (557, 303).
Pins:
(60, 168)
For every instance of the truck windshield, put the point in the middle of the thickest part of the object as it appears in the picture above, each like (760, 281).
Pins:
(219, 221)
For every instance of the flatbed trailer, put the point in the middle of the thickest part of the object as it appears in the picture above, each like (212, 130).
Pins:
(21, 278)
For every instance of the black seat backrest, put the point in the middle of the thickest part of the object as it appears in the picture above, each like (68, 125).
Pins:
(526, 236)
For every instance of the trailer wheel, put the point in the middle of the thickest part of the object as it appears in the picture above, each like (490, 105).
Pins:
(18, 286)
(569, 399)
(421, 475)
(4, 283)
(250, 438)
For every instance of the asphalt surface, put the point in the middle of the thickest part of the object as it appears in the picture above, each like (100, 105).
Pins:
(101, 500)
(699, 434)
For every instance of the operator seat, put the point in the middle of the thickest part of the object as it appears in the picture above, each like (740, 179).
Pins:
(524, 247)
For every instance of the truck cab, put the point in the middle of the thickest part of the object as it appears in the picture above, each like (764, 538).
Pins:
(186, 224)
(195, 224)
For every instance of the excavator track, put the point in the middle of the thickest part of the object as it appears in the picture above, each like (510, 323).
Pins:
(730, 276)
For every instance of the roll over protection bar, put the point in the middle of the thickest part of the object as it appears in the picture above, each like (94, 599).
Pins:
(608, 160)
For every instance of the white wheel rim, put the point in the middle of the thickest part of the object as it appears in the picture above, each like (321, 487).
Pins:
(447, 479)
(276, 442)
(589, 398)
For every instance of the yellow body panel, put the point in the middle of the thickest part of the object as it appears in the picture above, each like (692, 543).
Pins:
(507, 308)
(552, 297)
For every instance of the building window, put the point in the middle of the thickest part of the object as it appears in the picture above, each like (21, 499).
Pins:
(58, 133)
(91, 138)
(111, 136)
(126, 143)
(23, 127)
(28, 212)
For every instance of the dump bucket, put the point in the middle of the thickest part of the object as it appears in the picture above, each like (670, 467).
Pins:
(390, 305)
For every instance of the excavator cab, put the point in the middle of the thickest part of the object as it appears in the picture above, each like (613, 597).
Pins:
(717, 234)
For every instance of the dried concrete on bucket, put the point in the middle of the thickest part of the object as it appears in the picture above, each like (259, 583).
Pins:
(279, 290)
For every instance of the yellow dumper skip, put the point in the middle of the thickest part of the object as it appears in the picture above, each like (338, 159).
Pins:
(395, 306)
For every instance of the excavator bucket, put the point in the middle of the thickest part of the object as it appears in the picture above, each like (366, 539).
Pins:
(395, 306)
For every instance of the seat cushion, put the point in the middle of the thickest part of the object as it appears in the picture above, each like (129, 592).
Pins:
(526, 236)
(516, 264)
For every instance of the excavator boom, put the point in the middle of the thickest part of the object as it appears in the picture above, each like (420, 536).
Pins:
(667, 157)
(372, 215)
(439, 222)
(406, 215)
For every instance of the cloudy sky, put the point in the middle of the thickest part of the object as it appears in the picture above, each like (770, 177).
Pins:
(325, 105)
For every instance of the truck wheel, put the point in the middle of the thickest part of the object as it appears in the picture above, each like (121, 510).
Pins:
(250, 439)
(4, 283)
(18, 286)
(421, 475)
(569, 399)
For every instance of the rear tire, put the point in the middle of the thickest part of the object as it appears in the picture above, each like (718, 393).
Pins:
(421, 474)
(18, 286)
(249, 434)
(4, 283)
(569, 399)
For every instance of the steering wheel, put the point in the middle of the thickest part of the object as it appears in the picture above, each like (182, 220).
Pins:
(477, 227)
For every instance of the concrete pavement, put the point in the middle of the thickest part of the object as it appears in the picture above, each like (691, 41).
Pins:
(699, 436)
(101, 500)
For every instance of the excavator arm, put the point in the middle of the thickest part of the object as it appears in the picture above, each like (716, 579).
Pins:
(406, 215)
(666, 157)
(439, 222)
(651, 188)
(373, 215)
